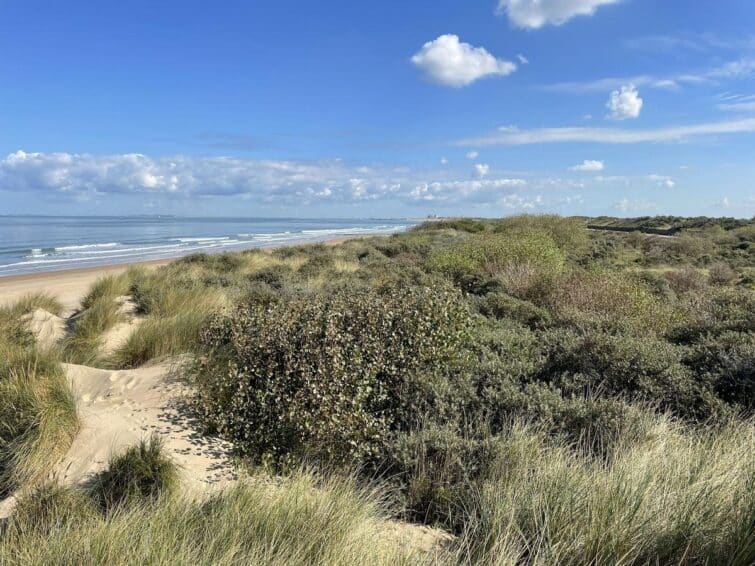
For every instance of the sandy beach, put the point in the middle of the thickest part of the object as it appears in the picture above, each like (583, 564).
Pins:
(67, 286)
(70, 285)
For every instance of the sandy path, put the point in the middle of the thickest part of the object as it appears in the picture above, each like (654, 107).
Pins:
(119, 408)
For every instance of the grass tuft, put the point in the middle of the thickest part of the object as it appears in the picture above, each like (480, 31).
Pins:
(141, 473)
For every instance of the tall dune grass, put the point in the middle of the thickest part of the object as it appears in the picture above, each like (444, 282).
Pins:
(678, 497)
(302, 520)
(38, 421)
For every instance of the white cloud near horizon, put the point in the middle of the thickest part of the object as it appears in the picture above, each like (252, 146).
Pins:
(624, 103)
(275, 182)
(450, 62)
(514, 136)
(534, 14)
(589, 166)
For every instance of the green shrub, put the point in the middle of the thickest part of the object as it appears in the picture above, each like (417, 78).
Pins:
(141, 473)
(609, 301)
(727, 363)
(640, 368)
(494, 254)
(569, 234)
(502, 305)
(327, 377)
(461, 224)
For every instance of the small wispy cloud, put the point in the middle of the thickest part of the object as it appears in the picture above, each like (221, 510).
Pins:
(736, 69)
(589, 166)
(511, 136)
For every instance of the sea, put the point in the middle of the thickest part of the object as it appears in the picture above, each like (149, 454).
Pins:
(36, 244)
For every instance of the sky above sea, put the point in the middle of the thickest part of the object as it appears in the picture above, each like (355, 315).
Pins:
(393, 108)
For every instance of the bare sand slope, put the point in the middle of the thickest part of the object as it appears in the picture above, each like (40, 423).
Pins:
(46, 328)
(119, 408)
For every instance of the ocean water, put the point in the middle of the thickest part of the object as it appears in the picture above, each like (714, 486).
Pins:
(31, 244)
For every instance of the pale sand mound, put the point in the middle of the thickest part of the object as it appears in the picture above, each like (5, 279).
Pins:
(118, 335)
(120, 408)
(46, 328)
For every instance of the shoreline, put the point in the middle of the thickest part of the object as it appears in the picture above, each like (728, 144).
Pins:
(70, 285)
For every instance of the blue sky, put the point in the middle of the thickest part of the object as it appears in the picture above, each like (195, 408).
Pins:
(392, 108)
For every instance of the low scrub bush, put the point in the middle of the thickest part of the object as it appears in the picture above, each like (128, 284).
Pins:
(327, 377)
(494, 254)
(569, 234)
(609, 301)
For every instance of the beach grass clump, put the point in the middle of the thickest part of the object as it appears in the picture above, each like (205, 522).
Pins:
(83, 344)
(301, 520)
(158, 337)
(39, 421)
(47, 508)
(141, 473)
(678, 497)
(107, 289)
(33, 301)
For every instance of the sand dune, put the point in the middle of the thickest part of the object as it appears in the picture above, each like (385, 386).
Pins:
(119, 408)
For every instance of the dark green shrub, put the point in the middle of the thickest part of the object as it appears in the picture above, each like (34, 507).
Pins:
(328, 377)
(276, 276)
(638, 368)
(434, 467)
(141, 473)
(727, 362)
(501, 305)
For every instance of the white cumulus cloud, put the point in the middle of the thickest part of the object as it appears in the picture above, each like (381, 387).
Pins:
(451, 62)
(482, 169)
(624, 103)
(473, 154)
(535, 14)
(589, 165)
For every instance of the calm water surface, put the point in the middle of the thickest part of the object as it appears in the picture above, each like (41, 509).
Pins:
(30, 244)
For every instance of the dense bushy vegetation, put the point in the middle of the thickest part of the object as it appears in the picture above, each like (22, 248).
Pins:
(549, 393)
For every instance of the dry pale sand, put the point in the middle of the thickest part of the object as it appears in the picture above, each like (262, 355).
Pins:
(119, 408)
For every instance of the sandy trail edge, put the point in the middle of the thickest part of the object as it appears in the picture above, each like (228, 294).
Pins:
(120, 408)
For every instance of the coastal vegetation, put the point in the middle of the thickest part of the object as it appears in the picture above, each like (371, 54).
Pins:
(545, 390)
